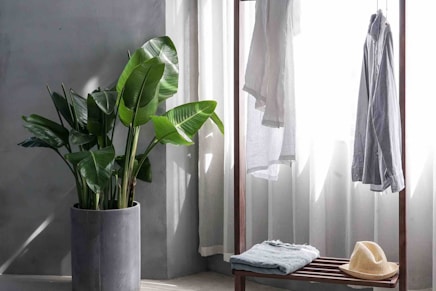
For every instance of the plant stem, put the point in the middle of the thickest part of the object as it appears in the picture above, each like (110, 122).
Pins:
(132, 178)
(132, 191)
(129, 163)
(115, 120)
(79, 192)
(125, 178)
(84, 193)
(152, 144)
(96, 202)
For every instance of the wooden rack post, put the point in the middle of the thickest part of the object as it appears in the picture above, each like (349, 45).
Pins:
(239, 168)
(323, 269)
(402, 223)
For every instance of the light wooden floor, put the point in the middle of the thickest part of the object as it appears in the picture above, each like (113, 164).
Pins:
(207, 281)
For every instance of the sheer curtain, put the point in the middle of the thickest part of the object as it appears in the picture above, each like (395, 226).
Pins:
(215, 57)
(421, 143)
(202, 31)
(314, 200)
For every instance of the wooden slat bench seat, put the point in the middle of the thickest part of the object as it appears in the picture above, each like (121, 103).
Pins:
(325, 270)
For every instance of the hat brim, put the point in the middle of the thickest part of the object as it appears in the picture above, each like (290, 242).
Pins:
(393, 267)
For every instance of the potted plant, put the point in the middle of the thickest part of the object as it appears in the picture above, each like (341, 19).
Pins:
(105, 221)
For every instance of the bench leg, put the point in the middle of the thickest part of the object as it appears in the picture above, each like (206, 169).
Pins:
(239, 283)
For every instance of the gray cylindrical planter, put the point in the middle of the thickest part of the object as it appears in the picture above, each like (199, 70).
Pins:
(106, 249)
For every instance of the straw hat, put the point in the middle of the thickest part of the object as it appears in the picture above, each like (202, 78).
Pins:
(368, 261)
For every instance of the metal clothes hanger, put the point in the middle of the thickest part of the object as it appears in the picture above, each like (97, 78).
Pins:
(386, 8)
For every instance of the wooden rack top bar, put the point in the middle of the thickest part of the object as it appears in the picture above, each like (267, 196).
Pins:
(326, 270)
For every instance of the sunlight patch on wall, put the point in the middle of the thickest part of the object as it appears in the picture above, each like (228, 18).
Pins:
(22, 249)
(177, 187)
(90, 86)
(208, 160)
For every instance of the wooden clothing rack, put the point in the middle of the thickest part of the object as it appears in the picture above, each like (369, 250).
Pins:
(323, 269)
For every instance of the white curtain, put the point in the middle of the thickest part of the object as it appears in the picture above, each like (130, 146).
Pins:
(314, 200)
(215, 57)
(421, 142)
(202, 31)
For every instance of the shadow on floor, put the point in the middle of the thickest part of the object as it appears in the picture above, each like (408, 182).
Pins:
(199, 282)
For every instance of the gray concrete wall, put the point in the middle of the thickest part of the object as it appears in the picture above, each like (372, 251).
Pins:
(83, 44)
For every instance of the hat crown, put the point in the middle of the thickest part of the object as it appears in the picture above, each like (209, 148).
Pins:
(368, 261)
(368, 257)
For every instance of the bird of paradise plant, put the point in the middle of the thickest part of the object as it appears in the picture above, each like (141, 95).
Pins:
(84, 135)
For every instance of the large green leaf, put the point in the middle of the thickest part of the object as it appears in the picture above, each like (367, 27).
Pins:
(101, 114)
(79, 107)
(141, 85)
(190, 117)
(180, 124)
(46, 130)
(62, 105)
(96, 168)
(215, 118)
(140, 93)
(105, 100)
(80, 138)
(167, 132)
(95, 124)
(76, 157)
(142, 114)
(163, 48)
(144, 173)
(34, 142)
(135, 60)
(72, 110)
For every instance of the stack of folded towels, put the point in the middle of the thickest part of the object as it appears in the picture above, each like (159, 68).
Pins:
(274, 257)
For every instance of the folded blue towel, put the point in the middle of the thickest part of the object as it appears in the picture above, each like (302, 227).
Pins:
(274, 257)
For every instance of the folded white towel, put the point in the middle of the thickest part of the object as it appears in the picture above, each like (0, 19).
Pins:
(274, 257)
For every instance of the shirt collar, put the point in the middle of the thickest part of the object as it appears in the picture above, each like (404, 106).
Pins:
(376, 24)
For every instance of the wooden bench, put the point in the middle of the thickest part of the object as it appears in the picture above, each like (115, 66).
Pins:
(323, 270)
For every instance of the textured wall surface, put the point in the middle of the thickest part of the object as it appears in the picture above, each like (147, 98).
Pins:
(83, 44)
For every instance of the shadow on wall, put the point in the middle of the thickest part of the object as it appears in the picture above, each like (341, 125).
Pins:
(183, 217)
(169, 216)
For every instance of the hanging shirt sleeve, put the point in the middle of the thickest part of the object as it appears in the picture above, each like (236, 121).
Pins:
(387, 123)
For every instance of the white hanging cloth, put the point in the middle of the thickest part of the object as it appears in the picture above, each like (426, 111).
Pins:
(269, 78)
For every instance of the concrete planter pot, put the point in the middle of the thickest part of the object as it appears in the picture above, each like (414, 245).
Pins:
(106, 249)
